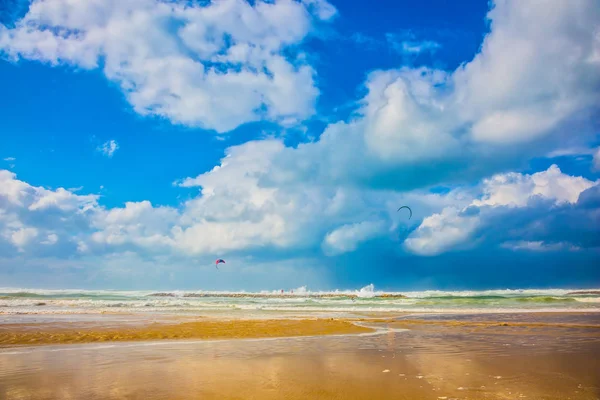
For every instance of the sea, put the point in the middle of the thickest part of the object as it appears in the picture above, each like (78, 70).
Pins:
(20, 301)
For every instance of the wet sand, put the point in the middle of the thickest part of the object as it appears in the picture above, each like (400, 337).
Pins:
(535, 356)
(47, 333)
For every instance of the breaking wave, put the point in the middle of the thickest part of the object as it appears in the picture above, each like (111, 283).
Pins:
(40, 301)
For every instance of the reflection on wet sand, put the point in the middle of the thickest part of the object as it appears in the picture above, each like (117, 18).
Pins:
(448, 362)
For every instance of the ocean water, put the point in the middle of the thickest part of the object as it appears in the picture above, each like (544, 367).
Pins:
(17, 301)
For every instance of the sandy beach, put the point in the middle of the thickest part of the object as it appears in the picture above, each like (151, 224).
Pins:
(425, 356)
(74, 332)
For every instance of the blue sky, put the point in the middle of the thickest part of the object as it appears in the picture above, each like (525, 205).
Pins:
(140, 141)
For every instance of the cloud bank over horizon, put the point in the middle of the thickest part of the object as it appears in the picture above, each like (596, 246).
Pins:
(456, 145)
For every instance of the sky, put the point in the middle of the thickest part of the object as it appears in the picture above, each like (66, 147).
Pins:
(140, 140)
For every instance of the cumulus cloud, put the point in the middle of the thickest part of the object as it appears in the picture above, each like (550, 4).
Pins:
(521, 96)
(515, 190)
(108, 148)
(32, 216)
(51, 239)
(347, 237)
(440, 232)
(44, 221)
(236, 211)
(138, 224)
(233, 214)
(22, 236)
(509, 92)
(216, 66)
(510, 204)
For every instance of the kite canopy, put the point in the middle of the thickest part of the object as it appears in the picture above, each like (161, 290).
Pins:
(219, 261)
(409, 210)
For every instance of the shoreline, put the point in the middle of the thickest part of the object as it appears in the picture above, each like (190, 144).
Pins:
(304, 312)
(174, 328)
(35, 334)
(288, 295)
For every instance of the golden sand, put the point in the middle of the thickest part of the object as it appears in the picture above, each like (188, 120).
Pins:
(449, 363)
(37, 334)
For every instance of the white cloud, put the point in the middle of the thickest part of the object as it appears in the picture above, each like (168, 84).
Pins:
(515, 190)
(347, 237)
(31, 216)
(236, 211)
(529, 79)
(108, 148)
(51, 239)
(234, 214)
(455, 227)
(323, 9)
(61, 199)
(440, 232)
(138, 223)
(215, 66)
(21, 237)
(11, 189)
(16, 193)
(527, 92)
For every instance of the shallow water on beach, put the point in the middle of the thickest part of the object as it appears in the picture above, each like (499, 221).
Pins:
(448, 362)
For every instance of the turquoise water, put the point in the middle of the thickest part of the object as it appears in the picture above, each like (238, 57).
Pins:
(31, 301)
